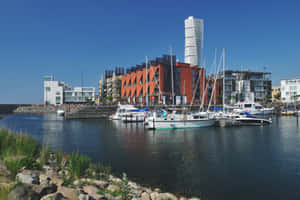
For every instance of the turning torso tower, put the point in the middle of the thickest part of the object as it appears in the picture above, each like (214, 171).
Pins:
(193, 41)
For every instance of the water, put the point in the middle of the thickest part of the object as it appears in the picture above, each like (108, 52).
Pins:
(213, 163)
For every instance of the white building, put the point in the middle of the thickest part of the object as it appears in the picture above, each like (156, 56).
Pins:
(193, 40)
(290, 90)
(57, 92)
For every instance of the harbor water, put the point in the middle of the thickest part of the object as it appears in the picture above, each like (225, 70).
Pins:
(258, 162)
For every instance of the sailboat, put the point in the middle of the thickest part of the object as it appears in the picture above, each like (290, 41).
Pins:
(177, 118)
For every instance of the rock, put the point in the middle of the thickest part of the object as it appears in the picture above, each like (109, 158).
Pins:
(28, 177)
(113, 188)
(23, 192)
(136, 192)
(83, 197)
(45, 189)
(145, 196)
(92, 191)
(68, 192)
(182, 198)
(44, 179)
(157, 190)
(154, 195)
(194, 198)
(166, 196)
(56, 196)
(133, 185)
(101, 184)
(116, 180)
(146, 190)
(77, 183)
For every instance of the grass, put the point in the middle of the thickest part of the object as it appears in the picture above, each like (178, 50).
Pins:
(4, 191)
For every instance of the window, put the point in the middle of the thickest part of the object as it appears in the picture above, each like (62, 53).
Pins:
(57, 93)
(48, 89)
(248, 105)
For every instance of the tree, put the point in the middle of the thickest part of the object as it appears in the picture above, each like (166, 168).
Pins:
(109, 98)
(277, 96)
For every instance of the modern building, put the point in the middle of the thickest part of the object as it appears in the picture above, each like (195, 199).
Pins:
(245, 86)
(290, 90)
(57, 92)
(110, 85)
(193, 41)
(153, 84)
(276, 93)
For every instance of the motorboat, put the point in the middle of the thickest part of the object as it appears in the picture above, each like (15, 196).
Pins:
(289, 112)
(121, 110)
(129, 113)
(252, 108)
(249, 120)
(176, 119)
(60, 112)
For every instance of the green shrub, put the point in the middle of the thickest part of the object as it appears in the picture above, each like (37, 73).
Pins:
(78, 164)
(29, 163)
(44, 155)
(13, 165)
(4, 191)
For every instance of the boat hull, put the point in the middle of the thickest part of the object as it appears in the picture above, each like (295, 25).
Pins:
(167, 124)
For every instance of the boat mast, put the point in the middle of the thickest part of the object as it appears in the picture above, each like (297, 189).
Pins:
(172, 78)
(223, 79)
(146, 81)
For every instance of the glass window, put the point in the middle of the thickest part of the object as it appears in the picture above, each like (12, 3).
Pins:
(48, 89)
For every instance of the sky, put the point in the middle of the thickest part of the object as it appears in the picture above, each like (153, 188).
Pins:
(71, 39)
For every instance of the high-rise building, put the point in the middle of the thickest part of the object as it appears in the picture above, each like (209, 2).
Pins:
(193, 41)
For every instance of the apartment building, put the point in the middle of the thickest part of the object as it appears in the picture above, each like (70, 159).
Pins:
(290, 90)
(153, 83)
(58, 92)
(245, 85)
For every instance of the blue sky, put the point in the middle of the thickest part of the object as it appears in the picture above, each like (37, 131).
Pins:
(67, 38)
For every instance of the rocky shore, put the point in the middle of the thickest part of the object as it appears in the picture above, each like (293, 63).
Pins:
(55, 176)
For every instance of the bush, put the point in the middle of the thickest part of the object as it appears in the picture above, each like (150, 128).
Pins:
(77, 165)
(29, 163)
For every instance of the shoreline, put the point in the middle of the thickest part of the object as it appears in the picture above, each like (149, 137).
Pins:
(29, 169)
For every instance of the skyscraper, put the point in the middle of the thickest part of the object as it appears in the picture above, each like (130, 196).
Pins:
(193, 40)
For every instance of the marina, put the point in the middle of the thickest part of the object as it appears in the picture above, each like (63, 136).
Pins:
(208, 162)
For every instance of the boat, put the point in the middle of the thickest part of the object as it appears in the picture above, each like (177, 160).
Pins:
(298, 113)
(136, 115)
(249, 120)
(128, 113)
(252, 108)
(177, 119)
(288, 112)
(60, 112)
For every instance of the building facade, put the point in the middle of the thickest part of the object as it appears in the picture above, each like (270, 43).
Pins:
(193, 41)
(290, 90)
(245, 86)
(276, 93)
(57, 93)
(110, 85)
(153, 84)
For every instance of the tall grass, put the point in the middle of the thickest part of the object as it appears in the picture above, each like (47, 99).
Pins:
(4, 190)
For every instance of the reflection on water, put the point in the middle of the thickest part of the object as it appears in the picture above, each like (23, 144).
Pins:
(261, 162)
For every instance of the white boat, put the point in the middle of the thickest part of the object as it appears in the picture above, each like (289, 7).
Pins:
(133, 117)
(122, 110)
(252, 108)
(298, 113)
(178, 119)
(248, 120)
(60, 112)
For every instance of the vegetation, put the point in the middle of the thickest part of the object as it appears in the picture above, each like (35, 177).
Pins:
(4, 191)
(277, 96)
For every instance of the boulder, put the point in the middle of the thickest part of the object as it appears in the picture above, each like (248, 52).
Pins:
(55, 196)
(44, 179)
(23, 192)
(68, 192)
(154, 195)
(145, 196)
(45, 188)
(166, 196)
(101, 184)
(28, 177)
(113, 188)
(92, 191)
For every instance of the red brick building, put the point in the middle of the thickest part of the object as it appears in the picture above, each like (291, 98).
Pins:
(189, 83)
